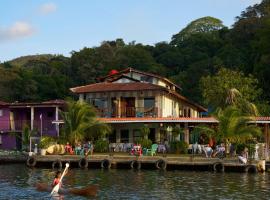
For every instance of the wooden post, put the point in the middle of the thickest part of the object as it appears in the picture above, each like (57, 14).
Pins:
(119, 106)
(266, 137)
(186, 133)
(56, 119)
(32, 118)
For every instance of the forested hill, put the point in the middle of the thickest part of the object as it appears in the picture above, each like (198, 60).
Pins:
(200, 49)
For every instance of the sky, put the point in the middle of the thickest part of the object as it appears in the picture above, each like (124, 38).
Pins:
(31, 27)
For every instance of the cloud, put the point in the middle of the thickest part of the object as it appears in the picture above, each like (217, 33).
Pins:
(47, 8)
(18, 30)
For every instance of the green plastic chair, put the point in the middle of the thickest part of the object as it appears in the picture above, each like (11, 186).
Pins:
(153, 150)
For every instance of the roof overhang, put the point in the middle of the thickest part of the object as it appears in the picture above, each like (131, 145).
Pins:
(159, 120)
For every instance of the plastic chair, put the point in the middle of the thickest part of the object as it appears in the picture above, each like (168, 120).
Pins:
(153, 150)
(79, 151)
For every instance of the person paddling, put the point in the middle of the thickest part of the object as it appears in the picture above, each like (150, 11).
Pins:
(56, 179)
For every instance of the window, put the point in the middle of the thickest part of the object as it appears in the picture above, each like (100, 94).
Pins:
(0, 139)
(148, 79)
(112, 137)
(149, 107)
(149, 102)
(99, 103)
(124, 136)
(1, 113)
(136, 135)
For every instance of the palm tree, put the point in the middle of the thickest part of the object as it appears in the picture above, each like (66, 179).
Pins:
(80, 122)
(235, 98)
(234, 125)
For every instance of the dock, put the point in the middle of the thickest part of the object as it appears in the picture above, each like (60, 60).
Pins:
(142, 162)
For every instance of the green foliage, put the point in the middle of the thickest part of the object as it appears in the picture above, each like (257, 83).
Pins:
(101, 146)
(25, 136)
(46, 141)
(145, 131)
(198, 50)
(201, 25)
(219, 90)
(80, 123)
(176, 131)
(233, 126)
(145, 143)
(179, 147)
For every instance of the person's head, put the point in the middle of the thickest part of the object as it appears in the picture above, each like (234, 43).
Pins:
(58, 174)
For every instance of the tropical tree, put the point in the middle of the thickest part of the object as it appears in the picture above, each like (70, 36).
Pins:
(201, 25)
(234, 125)
(229, 87)
(80, 123)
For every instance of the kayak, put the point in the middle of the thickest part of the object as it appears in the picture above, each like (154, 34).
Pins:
(87, 191)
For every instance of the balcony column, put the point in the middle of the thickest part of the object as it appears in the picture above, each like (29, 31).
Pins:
(119, 106)
(177, 138)
(32, 118)
(266, 138)
(157, 135)
(186, 133)
(56, 119)
(130, 135)
(118, 135)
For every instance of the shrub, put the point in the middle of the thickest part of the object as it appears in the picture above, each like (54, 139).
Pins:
(179, 147)
(46, 141)
(145, 143)
(101, 146)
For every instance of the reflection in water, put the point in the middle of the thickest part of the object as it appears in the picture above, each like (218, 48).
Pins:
(17, 182)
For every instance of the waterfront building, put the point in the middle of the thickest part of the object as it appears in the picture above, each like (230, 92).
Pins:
(39, 117)
(130, 99)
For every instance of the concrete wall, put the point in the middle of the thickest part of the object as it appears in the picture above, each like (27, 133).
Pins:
(8, 141)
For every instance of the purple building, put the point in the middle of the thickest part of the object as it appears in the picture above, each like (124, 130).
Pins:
(7, 141)
(39, 117)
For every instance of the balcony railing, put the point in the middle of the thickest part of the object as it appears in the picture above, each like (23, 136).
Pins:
(128, 112)
(18, 125)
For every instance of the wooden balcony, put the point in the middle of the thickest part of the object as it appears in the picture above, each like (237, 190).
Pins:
(128, 112)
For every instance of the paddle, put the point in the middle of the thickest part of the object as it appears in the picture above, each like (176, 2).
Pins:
(56, 188)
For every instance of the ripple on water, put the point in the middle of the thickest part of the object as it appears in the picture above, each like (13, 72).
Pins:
(16, 182)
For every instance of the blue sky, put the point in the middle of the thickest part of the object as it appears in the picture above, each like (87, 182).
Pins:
(29, 27)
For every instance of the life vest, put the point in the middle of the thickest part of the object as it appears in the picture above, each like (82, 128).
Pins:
(55, 181)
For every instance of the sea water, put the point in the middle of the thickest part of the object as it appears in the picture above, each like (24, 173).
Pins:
(17, 182)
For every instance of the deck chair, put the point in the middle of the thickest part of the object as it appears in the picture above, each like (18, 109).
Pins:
(79, 151)
(153, 150)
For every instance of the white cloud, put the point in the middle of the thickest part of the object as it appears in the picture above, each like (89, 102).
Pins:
(47, 8)
(18, 30)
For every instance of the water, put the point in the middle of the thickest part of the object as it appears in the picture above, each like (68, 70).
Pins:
(17, 182)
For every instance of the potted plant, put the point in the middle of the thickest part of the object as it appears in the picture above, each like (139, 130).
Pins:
(44, 144)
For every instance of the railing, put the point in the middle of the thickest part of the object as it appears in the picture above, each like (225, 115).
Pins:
(128, 112)
(18, 125)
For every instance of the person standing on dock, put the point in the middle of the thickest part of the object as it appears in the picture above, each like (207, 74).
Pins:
(244, 156)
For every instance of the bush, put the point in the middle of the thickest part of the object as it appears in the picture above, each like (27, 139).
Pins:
(145, 143)
(179, 147)
(101, 146)
(250, 146)
(46, 141)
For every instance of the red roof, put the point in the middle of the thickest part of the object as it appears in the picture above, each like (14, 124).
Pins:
(127, 70)
(106, 87)
(159, 119)
(260, 120)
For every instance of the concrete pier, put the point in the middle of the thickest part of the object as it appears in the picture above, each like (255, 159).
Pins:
(143, 162)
